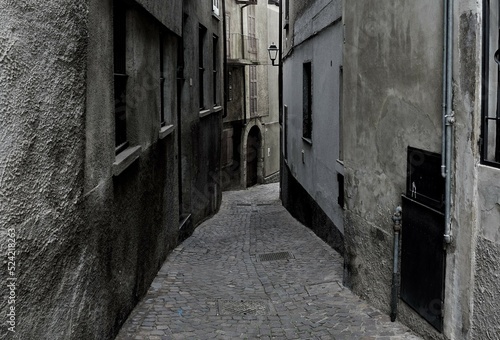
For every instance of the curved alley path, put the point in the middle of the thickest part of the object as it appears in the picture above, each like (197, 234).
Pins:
(254, 272)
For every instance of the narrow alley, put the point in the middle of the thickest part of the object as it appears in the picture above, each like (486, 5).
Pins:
(250, 272)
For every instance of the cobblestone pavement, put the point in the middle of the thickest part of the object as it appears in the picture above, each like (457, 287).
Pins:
(254, 272)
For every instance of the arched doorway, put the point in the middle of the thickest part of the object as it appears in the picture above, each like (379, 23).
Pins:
(252, 155)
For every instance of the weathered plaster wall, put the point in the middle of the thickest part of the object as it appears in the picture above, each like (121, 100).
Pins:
(132, 218)
(170, 14)
(467, 107)
(88, 244)
(42, 89)
(392, 97)
(200, 134)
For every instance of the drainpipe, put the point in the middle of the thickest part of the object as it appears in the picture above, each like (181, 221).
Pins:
(445, 74)
(224, 67)
(280, 92)
(396, 218)
(244, 71)
(448, 118)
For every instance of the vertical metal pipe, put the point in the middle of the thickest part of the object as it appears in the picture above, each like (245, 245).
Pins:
(450, 120)
(444, 85)
(396, 218)
(280, 91)
(224, 67)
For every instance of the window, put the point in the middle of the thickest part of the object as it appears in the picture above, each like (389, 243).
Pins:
(162, 82)
(307, 102)
(120, 76)
(490, 134)
(215, 69)
(285, 132)
(215, 7)
(253, 90)
(202, 31)
(252, 40)
(287, 9)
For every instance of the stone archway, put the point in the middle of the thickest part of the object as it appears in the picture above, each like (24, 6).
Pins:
(253, 156)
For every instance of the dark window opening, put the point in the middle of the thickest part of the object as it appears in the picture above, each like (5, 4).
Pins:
(215, 70)
(490, 129)
(120, 76)
(202, 31)
(162, 83)
(285, 132)
(307, 102)
(340, 199)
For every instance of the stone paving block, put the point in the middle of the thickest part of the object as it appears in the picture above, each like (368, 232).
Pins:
(303, 294)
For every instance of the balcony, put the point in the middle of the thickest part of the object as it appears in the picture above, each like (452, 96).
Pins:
(242, 49)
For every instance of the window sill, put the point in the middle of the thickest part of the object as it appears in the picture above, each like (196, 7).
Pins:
(215, 15)
(307, 140)
(165, 131)
(125, 158)
(339, 166)
(215, 109)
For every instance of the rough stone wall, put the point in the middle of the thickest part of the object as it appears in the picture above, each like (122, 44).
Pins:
(43, 48)
(486, 308)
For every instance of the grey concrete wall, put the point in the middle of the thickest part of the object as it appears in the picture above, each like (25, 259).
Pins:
(392, 97)
(315, 165)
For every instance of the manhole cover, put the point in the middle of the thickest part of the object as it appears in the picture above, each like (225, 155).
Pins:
(275, 256)
(242, 307)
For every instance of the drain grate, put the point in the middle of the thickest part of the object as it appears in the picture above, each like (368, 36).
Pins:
(243, 204)
(242, 307)
(275, 256)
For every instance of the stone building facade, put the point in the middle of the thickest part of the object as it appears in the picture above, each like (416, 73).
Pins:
(400, 91)
(109, 154)
(251, 128)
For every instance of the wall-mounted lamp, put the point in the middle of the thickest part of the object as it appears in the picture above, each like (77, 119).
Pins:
(273, 53)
